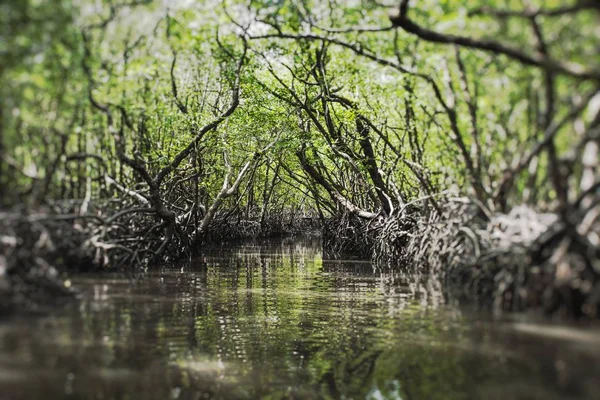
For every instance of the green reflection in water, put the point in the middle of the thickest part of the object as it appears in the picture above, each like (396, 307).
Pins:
(279, 322)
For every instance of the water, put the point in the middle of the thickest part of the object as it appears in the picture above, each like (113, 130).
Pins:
(278, 322)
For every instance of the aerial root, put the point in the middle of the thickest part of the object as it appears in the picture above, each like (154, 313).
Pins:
(510, 261)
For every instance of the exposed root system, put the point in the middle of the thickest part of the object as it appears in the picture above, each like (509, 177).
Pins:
(512, 262)
(508, 261)
(348, 235)
(33, 253)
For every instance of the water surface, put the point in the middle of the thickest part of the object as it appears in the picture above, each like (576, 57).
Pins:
(276, 321)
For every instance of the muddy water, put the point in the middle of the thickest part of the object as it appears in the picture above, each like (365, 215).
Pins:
(276, 321)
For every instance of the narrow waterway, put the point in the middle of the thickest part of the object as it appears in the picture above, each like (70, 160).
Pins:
(277, 321)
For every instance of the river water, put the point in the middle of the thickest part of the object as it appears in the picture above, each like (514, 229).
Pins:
(276, 321)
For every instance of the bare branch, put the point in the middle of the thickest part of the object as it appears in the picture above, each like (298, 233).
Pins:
(536, 59)
(580, 5)
(235, 100)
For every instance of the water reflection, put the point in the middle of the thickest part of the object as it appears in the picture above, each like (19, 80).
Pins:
(276, 321)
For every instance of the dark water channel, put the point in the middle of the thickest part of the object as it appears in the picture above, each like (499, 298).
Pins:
(276, 321)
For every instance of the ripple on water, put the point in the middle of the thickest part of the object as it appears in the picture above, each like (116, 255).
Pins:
(278, 321)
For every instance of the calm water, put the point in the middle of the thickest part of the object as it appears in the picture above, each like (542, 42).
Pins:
(278, 322)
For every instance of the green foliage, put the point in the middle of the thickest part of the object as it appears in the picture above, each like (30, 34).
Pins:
(175, 72)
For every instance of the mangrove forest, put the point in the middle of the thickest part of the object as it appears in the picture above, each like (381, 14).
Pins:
(299, 199)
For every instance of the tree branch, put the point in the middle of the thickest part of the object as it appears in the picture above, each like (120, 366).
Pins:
(537, 59)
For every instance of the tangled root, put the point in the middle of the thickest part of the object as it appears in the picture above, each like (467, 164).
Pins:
(33, 254)
(348, 235)
(393, 237)
(511, 262)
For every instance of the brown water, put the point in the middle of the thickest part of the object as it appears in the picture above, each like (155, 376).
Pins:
(278, 322)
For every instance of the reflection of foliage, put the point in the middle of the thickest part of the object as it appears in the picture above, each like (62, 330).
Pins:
(271, 323)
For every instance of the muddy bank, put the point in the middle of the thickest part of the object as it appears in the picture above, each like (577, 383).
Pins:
(40, 248)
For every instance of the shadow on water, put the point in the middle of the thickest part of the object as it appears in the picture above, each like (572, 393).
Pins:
(274, 320)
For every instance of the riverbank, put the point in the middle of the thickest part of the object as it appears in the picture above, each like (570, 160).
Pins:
(40, 249)
(515, 261)
(518, 261)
